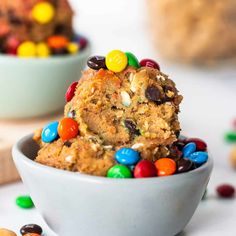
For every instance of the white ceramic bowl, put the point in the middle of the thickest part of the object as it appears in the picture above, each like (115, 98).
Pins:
(31, 87)
(78, 204)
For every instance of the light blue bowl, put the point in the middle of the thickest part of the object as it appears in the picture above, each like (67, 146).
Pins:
(36, 87)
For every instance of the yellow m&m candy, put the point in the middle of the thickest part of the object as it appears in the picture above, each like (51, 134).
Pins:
(116, 61)
(43, 12)
(42, 50)
(26, 49)
(73, 48)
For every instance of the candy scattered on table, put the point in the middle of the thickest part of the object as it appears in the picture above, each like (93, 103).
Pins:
(31, 228)
(232, 157)
(24, 202)
(230, 136)
(225, 191)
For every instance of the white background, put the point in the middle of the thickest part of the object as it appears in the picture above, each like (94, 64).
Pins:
(207, 110)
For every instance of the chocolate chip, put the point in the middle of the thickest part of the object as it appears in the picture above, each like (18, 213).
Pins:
(175, 153)
(13, 18)
(59, 51)
(96, 62)
(67, 143)
(184, 165)
(59, 29)
(31, 228)
(179, 144)
(168, 88)
(130, 125)
(154, 94)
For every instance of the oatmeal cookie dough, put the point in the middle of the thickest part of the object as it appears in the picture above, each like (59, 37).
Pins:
(196, 31)
(16, 20)
(136, 108)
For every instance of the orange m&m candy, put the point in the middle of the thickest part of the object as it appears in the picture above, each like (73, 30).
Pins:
(165, 166)
(68, 129)
(57, 41)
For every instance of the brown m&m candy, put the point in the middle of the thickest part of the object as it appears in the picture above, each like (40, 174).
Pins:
(31, 229)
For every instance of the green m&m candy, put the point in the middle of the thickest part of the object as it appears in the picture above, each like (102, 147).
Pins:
(119, 171)
(132, 60)
(24, 202)
(230, 136)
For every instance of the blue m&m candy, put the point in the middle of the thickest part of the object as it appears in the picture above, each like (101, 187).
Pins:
(189, 149)
(198, 157)
(127, 156)
(49, 132)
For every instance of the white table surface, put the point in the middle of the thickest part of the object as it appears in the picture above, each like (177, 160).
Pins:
(207, 110)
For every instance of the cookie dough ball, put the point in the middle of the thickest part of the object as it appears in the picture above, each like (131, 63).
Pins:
(35, 20)
(196, 31)
(135, 108)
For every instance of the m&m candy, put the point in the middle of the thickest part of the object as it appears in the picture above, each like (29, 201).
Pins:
(119, 171)
(145, 169)
(200, 144)
(198, 157)
(68, 129)
(149, 63)
(132, 60)
(57, 41)
(26, 49)
(42, 50)
(165, 166)
(116, 61)
(96, 62)
(49, 132)
(225, 191)
(43, 12)
(127, 156)
(71, 91)
(72, 48)
(24, 202)
(189, 149)
(31, 228)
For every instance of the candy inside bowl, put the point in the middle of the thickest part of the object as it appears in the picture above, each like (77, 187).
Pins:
(31, 87)
(143, 206)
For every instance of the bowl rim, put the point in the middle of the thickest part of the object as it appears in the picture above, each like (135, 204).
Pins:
(18, 155)
(14, 59)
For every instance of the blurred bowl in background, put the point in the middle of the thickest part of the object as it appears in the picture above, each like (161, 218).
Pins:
(195, 31)
(36, 87)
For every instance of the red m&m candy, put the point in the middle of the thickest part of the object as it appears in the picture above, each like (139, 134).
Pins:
(225, 191)
(149, 63)
(71, 91)
(68, 128)
(145, 169)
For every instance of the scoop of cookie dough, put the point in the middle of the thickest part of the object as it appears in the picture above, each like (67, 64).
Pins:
(196, 31)
(17, 20)
(135, 108)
